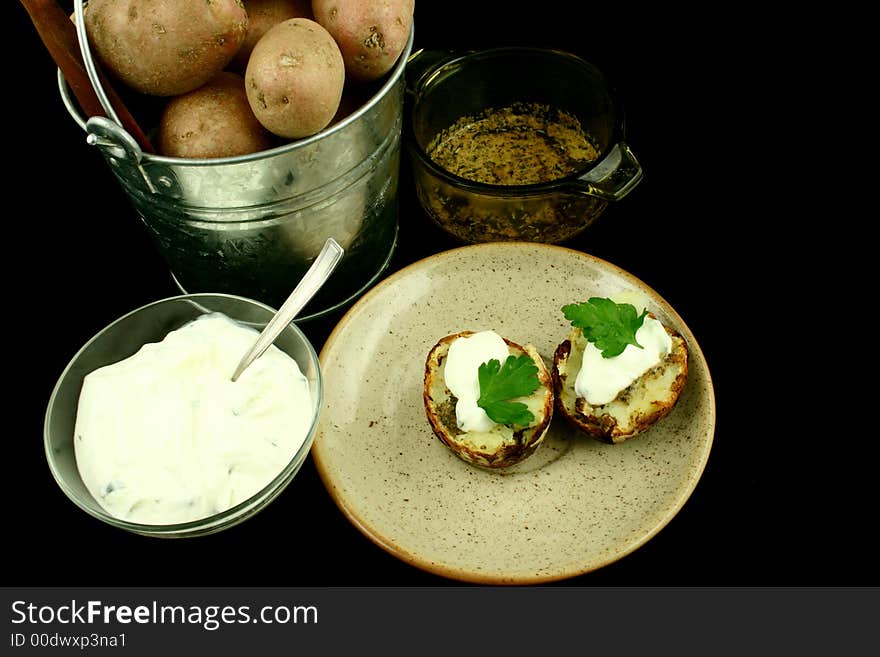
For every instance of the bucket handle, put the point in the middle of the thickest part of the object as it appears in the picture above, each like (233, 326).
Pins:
(121, 149)
(102, 101)
(89, 63)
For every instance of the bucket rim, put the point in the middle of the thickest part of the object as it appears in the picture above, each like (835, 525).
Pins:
(393, 79)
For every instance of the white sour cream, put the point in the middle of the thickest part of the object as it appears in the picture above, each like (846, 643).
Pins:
(165, 436)
(600, 379)
(461, 373)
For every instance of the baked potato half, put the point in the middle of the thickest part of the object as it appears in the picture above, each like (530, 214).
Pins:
(636, 408)
(504, 445)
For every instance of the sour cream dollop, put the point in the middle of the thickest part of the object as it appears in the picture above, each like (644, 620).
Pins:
(165, 436)
(461, 374)
(600, 380)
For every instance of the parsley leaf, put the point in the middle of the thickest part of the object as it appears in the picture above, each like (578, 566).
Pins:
(609, 325)
(517, 378)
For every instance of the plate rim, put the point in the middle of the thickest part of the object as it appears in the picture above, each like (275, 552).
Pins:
(463, 574)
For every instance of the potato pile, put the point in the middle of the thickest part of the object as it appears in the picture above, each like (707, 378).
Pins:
(242, 76)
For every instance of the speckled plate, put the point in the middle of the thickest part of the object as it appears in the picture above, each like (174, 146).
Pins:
(575, 505)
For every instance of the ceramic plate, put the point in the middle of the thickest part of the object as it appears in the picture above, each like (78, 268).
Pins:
(572, 507)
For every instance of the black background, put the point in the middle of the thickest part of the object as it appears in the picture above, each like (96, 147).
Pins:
(703, 229)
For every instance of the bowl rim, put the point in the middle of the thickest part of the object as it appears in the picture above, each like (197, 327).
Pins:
(618, 131)
(209, 524)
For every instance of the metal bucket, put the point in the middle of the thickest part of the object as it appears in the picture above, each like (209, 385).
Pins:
(251, 225)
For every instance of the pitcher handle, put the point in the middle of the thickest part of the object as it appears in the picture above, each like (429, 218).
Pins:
(614, 177)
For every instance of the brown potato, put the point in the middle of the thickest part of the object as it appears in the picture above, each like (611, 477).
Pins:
(371, 35)
(294, 78)
(214, 120)
(262, 15)
(165, 47)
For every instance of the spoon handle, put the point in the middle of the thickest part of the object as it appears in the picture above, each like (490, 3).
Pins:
(314, 278)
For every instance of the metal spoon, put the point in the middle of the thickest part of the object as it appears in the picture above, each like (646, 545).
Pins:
(314, 278)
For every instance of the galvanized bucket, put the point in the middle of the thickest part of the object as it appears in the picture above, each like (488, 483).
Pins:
(251, 225)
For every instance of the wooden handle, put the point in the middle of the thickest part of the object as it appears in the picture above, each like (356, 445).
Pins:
(59, 36)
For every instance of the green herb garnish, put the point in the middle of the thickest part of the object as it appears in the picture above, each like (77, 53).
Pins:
(517, 378)
(609, 325)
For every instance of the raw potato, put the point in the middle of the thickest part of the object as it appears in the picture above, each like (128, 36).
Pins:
(294, 78)
(214, 120)
(165, 47)
(504, 445)
(371, 35)
(262, 15)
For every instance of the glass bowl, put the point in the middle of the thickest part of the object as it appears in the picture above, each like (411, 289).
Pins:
(449, 92)
(121, 339)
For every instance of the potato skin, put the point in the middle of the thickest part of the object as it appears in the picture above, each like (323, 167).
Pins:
(165, 47)
(262, 15)
(214, 120)
(636, 409)
(440, 411)
(371, 35)
(294, 78)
